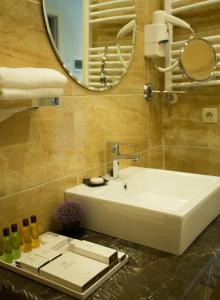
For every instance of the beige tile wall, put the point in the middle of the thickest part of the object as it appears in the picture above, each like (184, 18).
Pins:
(46, 151)
(190, 144)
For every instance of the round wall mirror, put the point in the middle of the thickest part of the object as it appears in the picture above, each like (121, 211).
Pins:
(93, 39)
(197, 60)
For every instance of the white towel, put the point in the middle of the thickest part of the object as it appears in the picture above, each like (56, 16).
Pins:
(23, 94)
(31, 78)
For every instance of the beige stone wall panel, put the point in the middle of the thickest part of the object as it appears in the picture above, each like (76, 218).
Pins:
(46, 151)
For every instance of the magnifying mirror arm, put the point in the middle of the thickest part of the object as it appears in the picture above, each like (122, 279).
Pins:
(170, 68)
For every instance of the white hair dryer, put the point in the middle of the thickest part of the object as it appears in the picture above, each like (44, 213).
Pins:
(156, 35)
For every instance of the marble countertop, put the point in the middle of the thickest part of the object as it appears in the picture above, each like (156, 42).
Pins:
(149, 274)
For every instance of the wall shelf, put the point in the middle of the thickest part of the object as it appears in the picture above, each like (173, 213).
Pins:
(29, 103)
(11, 107)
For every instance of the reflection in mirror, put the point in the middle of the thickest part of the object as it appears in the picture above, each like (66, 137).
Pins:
(198, 60)
(93, 39)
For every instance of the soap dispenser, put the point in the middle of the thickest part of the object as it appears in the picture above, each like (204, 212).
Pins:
(15, 242)
(7, 250)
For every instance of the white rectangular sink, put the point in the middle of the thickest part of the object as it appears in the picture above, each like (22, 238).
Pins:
(162, 209)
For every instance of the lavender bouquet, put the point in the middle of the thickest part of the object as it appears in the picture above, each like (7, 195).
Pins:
(70, 212)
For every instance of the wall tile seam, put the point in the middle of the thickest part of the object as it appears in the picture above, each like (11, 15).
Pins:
(155, 147)
(38, 186)
(93, 94)
(163, 132)
(133, 140)
(75, 174)
(164, 162)
(191, 146)
(143, 151)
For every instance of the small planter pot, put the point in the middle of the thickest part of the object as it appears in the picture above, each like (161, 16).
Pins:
(73, 230)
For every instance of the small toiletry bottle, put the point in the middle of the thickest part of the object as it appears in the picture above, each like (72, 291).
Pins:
(15, 242)
(27, 243)
(7, 250)
(34, 232)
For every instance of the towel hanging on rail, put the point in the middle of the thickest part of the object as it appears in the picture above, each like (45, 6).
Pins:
(31, 78)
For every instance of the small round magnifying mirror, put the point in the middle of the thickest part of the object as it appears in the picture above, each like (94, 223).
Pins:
(197, 60)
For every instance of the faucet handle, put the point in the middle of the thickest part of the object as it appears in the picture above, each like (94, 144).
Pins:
(116, 147)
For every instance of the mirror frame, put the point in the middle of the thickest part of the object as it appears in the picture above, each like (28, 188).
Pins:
(182, 68)
(81, 84)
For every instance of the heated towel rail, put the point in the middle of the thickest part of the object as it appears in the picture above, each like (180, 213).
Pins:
(101, 12)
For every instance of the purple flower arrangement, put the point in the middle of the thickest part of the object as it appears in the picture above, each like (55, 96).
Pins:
(70, 212)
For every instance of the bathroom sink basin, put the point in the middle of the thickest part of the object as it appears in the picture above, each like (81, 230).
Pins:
(162, 209)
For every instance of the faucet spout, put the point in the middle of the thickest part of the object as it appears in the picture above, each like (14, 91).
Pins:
(127, 157)
(116, 156)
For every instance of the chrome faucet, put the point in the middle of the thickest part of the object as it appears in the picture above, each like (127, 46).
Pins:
(115, 156)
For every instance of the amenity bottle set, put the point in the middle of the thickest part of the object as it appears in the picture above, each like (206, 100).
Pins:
(12, 243)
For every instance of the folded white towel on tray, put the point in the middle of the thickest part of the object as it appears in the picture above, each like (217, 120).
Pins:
(31, 78)
(23, 94)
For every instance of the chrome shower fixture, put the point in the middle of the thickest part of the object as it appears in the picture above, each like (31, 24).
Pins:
(170, 95)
